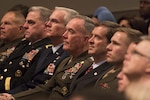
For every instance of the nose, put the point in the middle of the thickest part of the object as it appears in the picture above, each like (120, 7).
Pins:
(48, 23)
(65, 34)
(91, 40)
(1, 26)
(109, 47)
(119, 76)
(25, 26)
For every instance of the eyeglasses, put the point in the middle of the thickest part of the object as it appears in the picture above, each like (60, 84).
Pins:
(140, 54)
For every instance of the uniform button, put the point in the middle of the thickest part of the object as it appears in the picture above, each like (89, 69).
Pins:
(10, 62)
(1, 77)
(46, 81)
(5, 70)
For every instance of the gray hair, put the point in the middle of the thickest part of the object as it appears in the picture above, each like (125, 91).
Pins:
(44, 12)
(69, 15)
(88, 23)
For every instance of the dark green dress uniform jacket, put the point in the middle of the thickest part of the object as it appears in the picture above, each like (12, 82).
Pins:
(109, 81)
(16, 69)
(58, 86)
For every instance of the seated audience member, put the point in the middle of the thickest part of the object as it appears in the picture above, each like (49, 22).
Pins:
(135, 22)
(103, 14)
(11, 31)
(78, 31)
(16, 69)
(144, 10)
(137, 72)
(88, 75)
(50, 58)
(115, 55)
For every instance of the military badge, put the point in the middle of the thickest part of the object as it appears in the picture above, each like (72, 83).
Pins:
(104, 85)
(30, 55)
(73, 70)
(64, 90)
(6, 54)
(50, 69)
(18, 73)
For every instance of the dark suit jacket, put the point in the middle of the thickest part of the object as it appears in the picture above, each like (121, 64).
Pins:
(39, 77)
(82, 80)
(110, 81)
(58, 86)
(16, 69)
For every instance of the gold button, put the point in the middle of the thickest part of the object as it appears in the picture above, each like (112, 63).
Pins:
(18, 73)
(10, 62)
(5, 70)
(64, 90)
(1, 77)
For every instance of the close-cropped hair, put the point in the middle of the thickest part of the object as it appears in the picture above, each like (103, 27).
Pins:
(19, 17)
(23, 9)
(133, 35)
(111, 28)
(88, 24)
(44, 12)
(69, 13)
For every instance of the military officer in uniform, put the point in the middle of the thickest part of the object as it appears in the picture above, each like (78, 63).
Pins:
(11, 31)
(17, 69)
(50, 58)
(115, 55)
(78, 31)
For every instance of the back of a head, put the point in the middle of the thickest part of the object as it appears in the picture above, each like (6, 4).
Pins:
(104, 14)
(135, 22)
(20, 8)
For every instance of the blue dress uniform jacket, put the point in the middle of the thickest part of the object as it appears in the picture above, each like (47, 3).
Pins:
(16, 70)
(46, 66)
(58, 86)
(82, 81)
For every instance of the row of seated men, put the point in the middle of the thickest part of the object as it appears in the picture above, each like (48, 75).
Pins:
(64, 54)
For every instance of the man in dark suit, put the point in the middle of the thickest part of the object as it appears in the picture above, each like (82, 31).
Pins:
(17, 68)
(115, 55)
(97, 48)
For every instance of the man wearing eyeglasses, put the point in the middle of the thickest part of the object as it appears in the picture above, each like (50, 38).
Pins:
(137, 63)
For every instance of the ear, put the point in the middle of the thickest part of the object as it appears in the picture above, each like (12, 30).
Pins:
(87, 37)
(21, 29)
